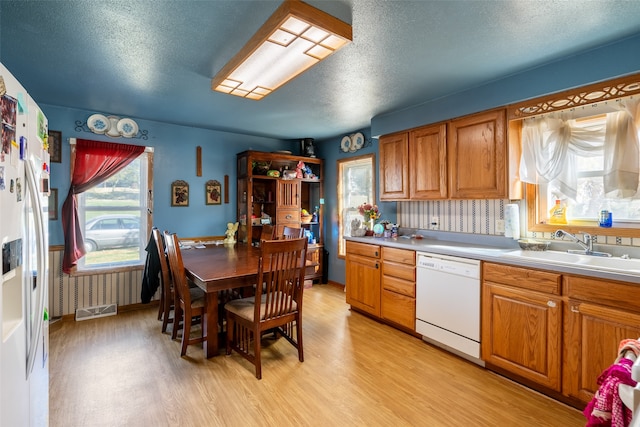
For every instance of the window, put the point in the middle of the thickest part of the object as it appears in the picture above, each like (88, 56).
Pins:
(117, 218)
(356, 185)
(590, 197)
(589, 163)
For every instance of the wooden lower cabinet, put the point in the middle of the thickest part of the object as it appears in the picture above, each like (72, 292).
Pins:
(381, 281)
(522, 325)
(398, 304)
(598, 315)
(363, 277)
(557, 331)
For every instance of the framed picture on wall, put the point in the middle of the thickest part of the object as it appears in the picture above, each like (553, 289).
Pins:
(179, 193)
(53, 205)
(55, 146)
(213, 192)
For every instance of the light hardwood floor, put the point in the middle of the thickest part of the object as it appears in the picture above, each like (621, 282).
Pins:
(121, 371)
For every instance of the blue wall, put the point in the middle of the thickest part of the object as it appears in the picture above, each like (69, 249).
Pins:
(174, 158)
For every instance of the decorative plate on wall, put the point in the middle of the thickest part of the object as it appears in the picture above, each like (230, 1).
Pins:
(113, 131)
(357, 141)
(98, 123)
(127, 128)
(345, 144)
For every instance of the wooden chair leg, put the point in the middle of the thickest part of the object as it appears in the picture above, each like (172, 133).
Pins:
(186, 331)
(167, 310)
(161, 307)
(256, 348)
(299, 339)
(177, 318)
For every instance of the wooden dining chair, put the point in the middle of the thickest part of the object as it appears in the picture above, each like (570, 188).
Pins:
(276, 307)
(292, 233)
(268, 232)
(189, 302)
(167, 296)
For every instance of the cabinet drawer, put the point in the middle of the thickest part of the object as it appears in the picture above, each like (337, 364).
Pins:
(535, 280)
(401, 271)
(402, 256)
(399, 309)
(625, 296)
(287, 216)
(404, 287)
(363, 249)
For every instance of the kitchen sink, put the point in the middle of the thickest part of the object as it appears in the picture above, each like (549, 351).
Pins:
(616, 264)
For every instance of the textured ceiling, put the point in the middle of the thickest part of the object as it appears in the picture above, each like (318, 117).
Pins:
(155, 59)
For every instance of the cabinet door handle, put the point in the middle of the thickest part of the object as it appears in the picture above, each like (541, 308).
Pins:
(377, 266)
(377, 253)
(575, 308)
(289, 216)
(551, 304)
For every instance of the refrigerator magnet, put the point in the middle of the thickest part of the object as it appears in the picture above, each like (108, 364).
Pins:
(23, 148)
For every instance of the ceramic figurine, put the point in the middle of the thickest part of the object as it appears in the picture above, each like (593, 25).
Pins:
(356, 228)
(230, 234)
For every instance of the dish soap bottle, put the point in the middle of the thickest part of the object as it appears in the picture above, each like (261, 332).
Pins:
(558, 214)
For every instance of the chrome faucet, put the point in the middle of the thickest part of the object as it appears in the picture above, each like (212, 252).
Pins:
(586, 245)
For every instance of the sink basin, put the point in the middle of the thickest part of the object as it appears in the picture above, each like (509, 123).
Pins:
(614, 264)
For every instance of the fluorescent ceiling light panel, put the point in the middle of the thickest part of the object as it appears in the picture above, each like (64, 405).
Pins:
(293, 39)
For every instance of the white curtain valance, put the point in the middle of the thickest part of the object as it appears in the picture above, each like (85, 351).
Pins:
(552, 144)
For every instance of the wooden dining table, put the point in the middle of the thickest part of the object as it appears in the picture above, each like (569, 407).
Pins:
(216, 268)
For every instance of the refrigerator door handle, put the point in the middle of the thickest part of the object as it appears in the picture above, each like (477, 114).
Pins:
(34, 194)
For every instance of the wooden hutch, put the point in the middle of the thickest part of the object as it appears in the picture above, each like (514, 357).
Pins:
(279, 200)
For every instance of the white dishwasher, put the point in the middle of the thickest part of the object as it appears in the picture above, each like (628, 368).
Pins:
(448, 303)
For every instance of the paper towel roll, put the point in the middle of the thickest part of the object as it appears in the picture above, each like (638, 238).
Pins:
(512, 221)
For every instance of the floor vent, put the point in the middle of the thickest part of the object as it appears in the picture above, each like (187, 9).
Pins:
(97, 311)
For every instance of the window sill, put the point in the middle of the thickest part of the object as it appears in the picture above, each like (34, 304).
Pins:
(577, 227)
(105, 270)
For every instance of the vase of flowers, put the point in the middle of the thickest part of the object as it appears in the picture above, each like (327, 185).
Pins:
(370, 213)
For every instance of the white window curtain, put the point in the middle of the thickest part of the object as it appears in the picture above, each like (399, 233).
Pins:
(621, 150)
(551, 144)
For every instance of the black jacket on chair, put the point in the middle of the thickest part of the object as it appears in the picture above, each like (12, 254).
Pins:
(151, 274)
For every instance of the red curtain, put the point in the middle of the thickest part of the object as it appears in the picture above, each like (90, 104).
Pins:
(95, 162)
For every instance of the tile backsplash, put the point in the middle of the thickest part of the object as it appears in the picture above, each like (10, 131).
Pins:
(462, 216)
(477, 217)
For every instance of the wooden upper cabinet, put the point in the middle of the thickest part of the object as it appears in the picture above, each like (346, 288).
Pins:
(394, 162)
(288, 194)
(428, 163)
(413, 165)
(477, 150)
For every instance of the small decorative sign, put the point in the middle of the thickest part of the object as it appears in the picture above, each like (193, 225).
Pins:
(213, 192)
(179, 193)
(55, 146)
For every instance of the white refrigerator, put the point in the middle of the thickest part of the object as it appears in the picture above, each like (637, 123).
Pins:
(24, 189)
